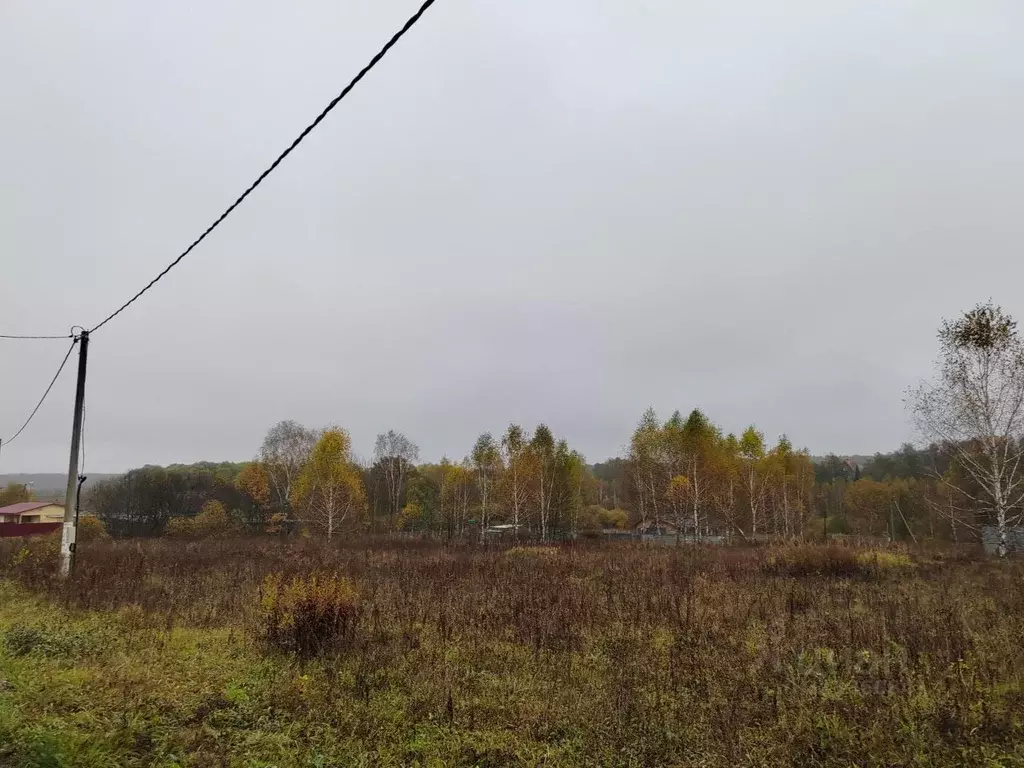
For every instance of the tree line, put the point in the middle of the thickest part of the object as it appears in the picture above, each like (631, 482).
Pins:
(308, 479)
(683, 476)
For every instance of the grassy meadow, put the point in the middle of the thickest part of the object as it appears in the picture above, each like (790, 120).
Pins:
(261, 652)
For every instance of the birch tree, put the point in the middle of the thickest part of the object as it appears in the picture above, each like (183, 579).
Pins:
(678, 498)
(395, 455)
(975, 408)
(542, 449)
(728, 475)
(752, 451)
(571, 473)
(780, 463)
(699, 437)
(645, 465)
(285, 450)
(329, 490)
(486, 460)
(455, 484)
(513, 444)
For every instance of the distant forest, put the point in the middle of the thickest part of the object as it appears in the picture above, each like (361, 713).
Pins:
(681, 474)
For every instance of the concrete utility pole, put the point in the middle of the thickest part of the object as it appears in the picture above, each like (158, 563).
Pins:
(67, 539)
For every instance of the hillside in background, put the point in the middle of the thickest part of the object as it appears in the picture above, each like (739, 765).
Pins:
(48, 485)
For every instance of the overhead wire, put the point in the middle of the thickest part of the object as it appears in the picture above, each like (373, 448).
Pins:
(8, 336)
(47, 392)
(259, 180)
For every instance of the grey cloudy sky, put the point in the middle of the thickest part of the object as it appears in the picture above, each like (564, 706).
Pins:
(541, 210)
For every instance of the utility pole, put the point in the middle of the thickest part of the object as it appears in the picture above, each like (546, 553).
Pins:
(67, 539)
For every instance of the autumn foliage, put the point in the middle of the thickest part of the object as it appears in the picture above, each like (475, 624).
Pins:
(309, 615)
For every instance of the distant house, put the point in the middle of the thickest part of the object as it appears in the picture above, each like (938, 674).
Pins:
(503, 531)
(618, 534)
(655, 528)
(27, 512)
(663, 532)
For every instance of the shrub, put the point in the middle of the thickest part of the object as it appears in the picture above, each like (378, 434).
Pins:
(614, 518)
(884, 559)
(276, 523)
(33, 559)
(91, 528)
(595, 517)
(180, 528)
(836, 562)
(410, 518)
(213, 520)
(21, 640)
(309, 616)
(839, 525)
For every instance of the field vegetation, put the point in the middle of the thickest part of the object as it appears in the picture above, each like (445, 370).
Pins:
(292, 652)
(311, 609)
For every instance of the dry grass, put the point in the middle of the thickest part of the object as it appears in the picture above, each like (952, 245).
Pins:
(607, 655)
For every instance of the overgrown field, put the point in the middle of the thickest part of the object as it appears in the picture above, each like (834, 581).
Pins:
(174, 653)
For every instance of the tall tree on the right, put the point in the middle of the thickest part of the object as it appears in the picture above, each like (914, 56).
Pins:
(975, 409)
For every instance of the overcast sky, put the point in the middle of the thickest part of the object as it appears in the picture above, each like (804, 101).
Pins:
(540, 210)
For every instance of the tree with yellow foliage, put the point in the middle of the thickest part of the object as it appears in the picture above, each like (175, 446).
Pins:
(329, 491)
(254, 482)
(410, 518)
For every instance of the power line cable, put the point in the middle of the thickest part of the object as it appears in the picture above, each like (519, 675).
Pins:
(259, 180)
(65, 336)
(36, 409)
